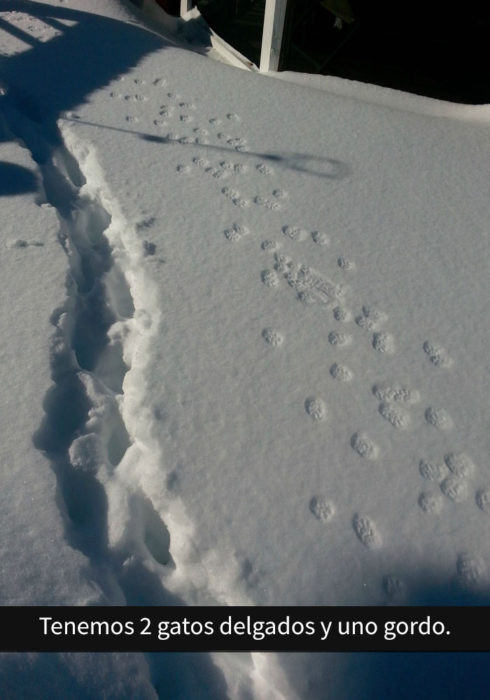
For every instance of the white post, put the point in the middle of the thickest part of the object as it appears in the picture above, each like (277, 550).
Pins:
(275, 13)
(185, 6)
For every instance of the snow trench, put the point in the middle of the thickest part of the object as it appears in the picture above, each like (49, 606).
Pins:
(97, 430)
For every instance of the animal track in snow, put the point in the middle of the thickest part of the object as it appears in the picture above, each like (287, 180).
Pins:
(199, 131)
(341, 373)
(309, 285)
(201, 162)
(470, 569)
(269, 245)
(364, 446)
(131, 119)
(384, 343)
(322, 508)
(439, 418)
(267, 203)
(460, 464)
(316, 408)
(135, 98)
(346, 264)
(432, 471)
(437, 355)
(183, 169)
(237, 143)
(185, 118)
(336, 338)
(272, 337)
(395, 393)
(371, 319)
(454, 488)
(394, 587)
(483, 500)
(341, 314)
(430, 502)
(270, 278)
(233, 117)
(234, 197)
(235, 232)
(320, 238)
(215, 121)
(280, 194)
(295, 233)
(394, 415)
(264, 169)
(218, 173)
(367, 531)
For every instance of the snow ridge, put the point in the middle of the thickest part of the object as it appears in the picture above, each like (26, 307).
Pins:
(97, 430)
(143, 523)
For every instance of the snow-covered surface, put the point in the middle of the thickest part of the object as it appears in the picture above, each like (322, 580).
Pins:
(244, 350)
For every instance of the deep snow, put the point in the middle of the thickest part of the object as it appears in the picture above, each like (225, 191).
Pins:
(255, 314)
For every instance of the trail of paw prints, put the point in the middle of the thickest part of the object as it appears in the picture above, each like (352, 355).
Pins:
(219, 128)
(220, 170)
(133, 91)
(453, 475)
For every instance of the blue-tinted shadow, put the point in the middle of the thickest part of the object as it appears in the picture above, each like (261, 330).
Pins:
(15, 179)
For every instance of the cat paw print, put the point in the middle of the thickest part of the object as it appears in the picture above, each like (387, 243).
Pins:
(235, 233)
(322, 508)
(366, 531)
(272, 337)
(366, 448)
(316, 408)
(371, 318)
(437, 355)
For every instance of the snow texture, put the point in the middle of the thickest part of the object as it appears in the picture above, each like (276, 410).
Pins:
(244, 351)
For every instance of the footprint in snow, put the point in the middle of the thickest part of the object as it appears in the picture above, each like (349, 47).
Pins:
(364, 446)
(430, 502)
(322, 508)
(367, 531)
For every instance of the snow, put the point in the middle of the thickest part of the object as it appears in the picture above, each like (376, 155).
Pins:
(244, 344)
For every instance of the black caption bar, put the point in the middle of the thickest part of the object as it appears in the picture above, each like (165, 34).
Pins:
(244, 628)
